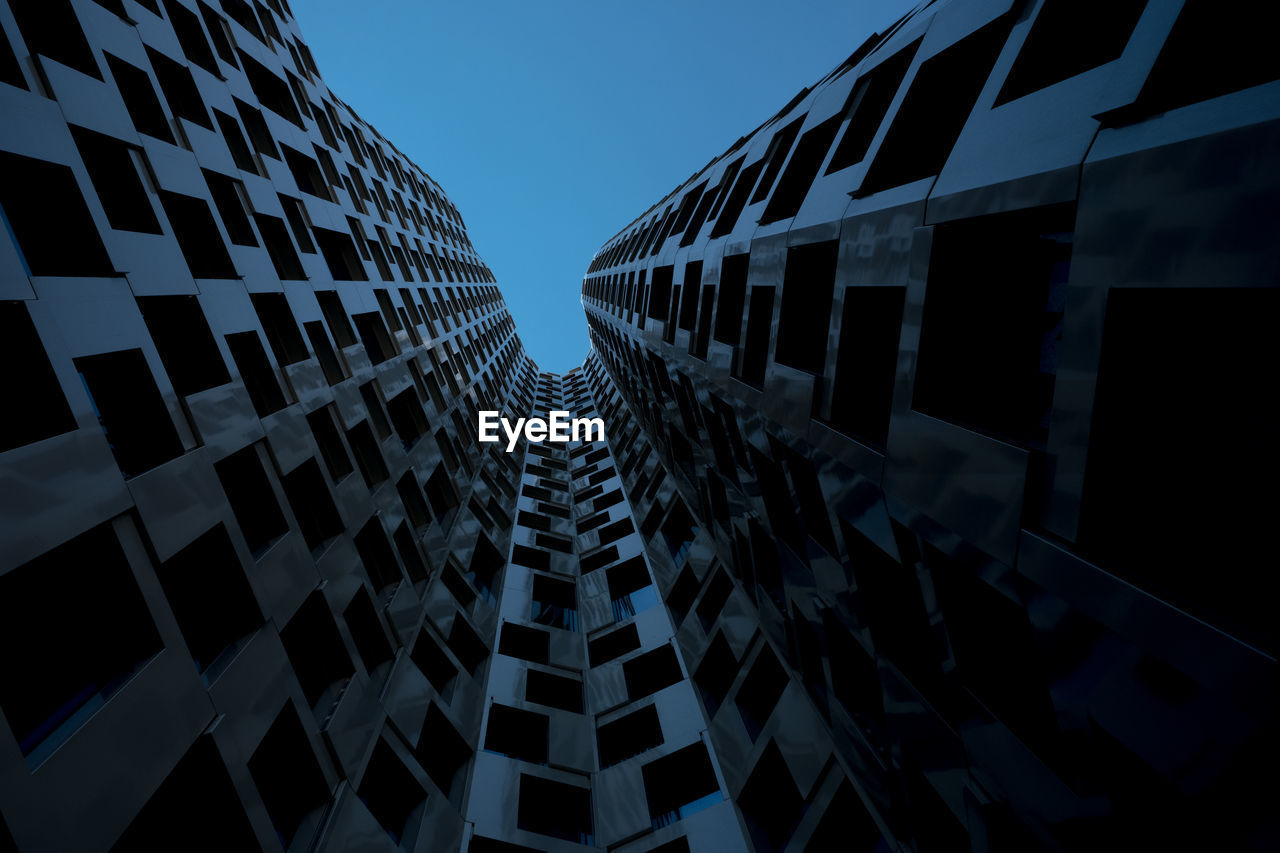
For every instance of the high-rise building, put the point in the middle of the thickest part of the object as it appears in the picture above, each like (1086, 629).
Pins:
(929, 514)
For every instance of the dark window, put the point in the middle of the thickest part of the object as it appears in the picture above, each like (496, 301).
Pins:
(280, 326)
(101, 634)
(801, 170)
(186, 345)
(186, 26)
(1174, 362)
(868, 102)
(312, 505)
(210, 596)
(256, 372)
(433, 662)
(297, 217)
(1069, 38)
(306, 173)
(408, 417)
(340, 254)
(554, 691)
(733, 290)
(650, 672)
(279, 248)
(288, 776)
(554, 603)
(779, 147)
(867, 362)
(441, 750)
(317, 653)
(935, 108)
(754, 356)
(606, 647)
(988, 344)
(30, 387)
(520, 641)
(253, 501)
(110, 163)
(760, 691)
(737, 199)
(367, 631)
(179, 89)
(713, 600)
(270, 91)
(50, 28)
(771, 802)
(629, 736)
(130, 410)
(804, 317)
(140, 99)
(198, 787)
(390, 790)
(376, 554)
(236, 143)
(263, 142)
(198, 236)
(45, 211)
(714, 676)
(680, 784)
(218, 33)
(227, 197)
(335, 316)
(555, 809)
(325, 353)
(518, 733)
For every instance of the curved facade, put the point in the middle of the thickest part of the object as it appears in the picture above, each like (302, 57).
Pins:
(953, 366)
(930, 512)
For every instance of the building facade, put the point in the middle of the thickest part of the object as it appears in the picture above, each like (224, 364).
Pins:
(929, 515)
(954, 367)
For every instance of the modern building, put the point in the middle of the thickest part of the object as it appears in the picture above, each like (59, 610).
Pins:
(930, 512)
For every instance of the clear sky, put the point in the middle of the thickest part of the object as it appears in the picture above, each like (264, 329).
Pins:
(553, 124)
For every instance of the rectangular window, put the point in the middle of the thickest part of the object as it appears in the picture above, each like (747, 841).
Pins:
(517, 733)
(131, 411)
(198, 236)
(680, 784)
(179, 89)
(804, 317)
(230, 199)
(46, 214)
(256, 372)
(280, 326)
(312, 505)
(288, 777)
(554, 691)
(112, 169)
(754, 357)
(555, 809)
(629, 736)
(652, 671)
(38, 409)
(867, 105)
(252, 499)
(328, 439)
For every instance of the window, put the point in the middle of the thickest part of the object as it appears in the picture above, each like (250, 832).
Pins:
(210, 596)
(130, 410)
(332, 450)
(390, 791)
(186, 26)
(312, 505)
(1068, 39)
(263, 142)
(935, 108)
(441, 751)
(517, 733)
(867, 362)
(520, 641)
(230, 199)
(614, 644)
(629, 736)
(801, 170)
(733, 289)
(714, 676)
(140, 99)
(325, 353)
(988, 344)
(50, 28)
(179, 89)
(76, 629)
(30, 387)
(737, 199)
(253, 501)
(433, 662)
(47, 216)
(554, 691)
(555, 809)
(554, 603)
(867, 105)
(114, 173)
(335, 316)
(288, 776)
(713, 600)
(760, 691)
(256, 372)
(804, 316)
(367, 631)
(317, 653)
(198, 236)
(652, 671)
(270, 91)
(754, 356)
(779, 147)
(186, 345)
(408, 417)
(279, 248)
(197, 787)
(771, 802)
(280, 326)
(376, 554)
(631, 589)
(306, 173)
(680, 784)
(373, 467)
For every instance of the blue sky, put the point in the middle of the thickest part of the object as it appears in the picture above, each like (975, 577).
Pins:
(552, 125)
